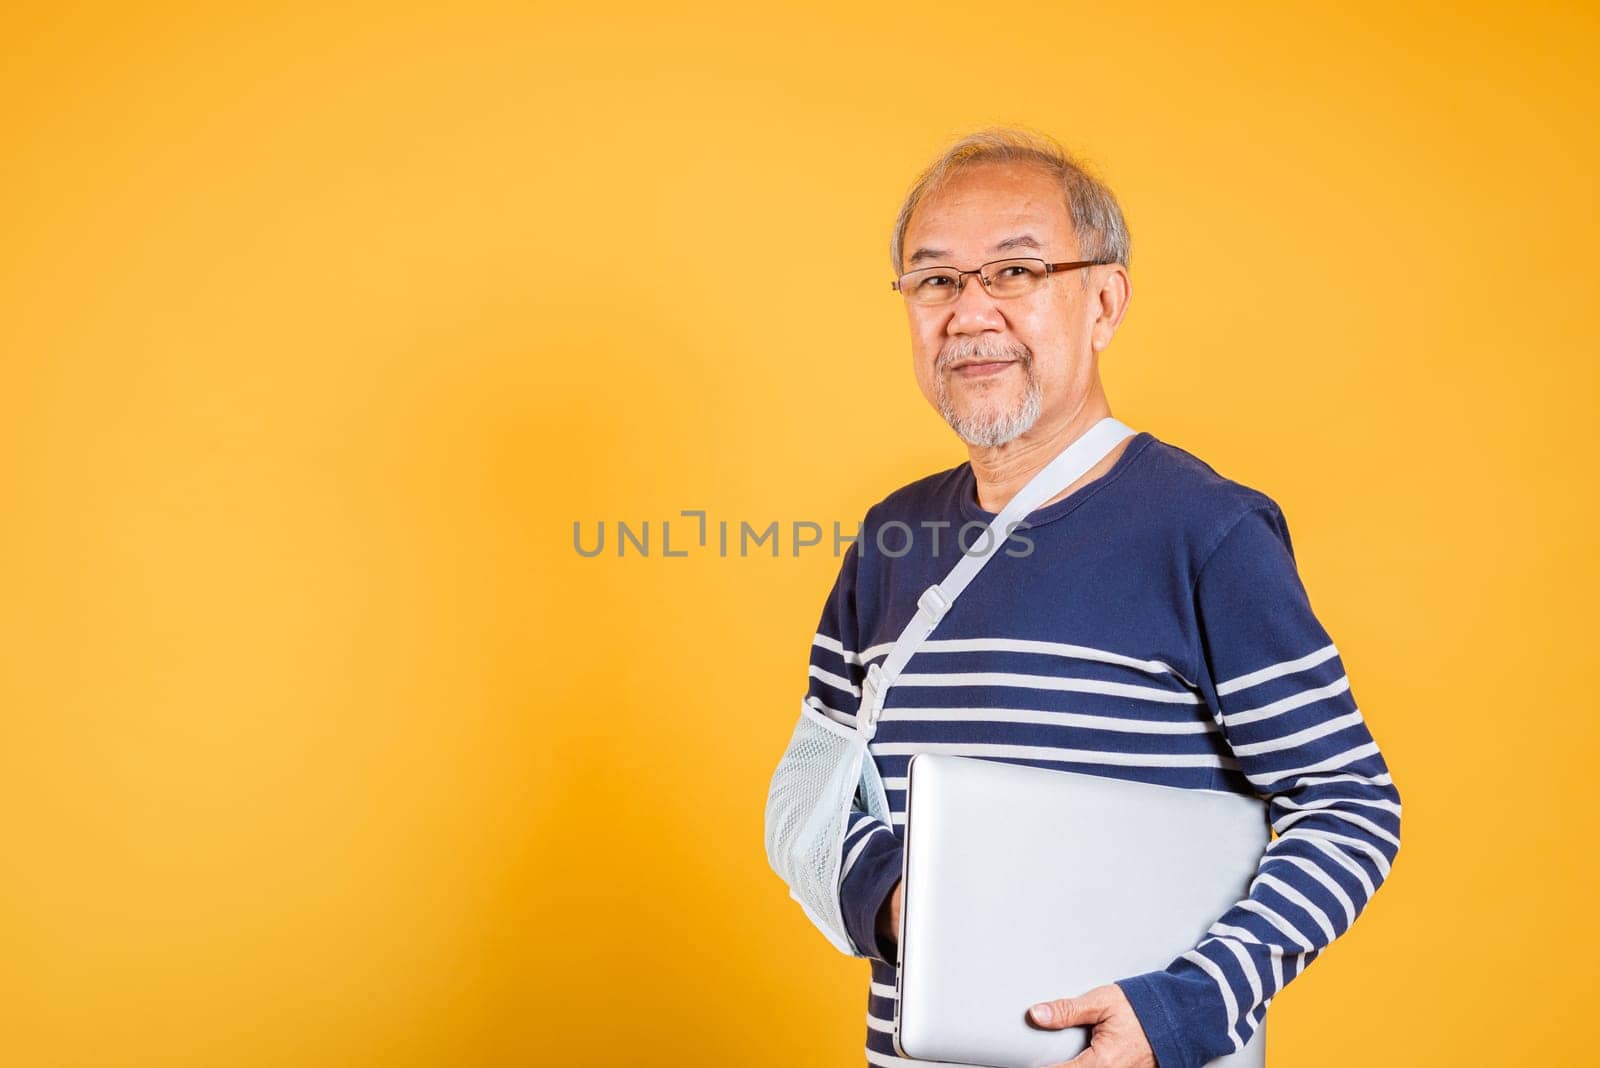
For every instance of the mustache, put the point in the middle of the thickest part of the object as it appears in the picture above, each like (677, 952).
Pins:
(965, 349)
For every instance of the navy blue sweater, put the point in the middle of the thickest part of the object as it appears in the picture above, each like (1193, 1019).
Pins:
(1156, 630)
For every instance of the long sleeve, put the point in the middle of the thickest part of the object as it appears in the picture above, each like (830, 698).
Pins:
(870, 861)
(1278, 690)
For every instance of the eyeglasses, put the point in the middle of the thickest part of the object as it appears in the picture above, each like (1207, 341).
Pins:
(1001, 278)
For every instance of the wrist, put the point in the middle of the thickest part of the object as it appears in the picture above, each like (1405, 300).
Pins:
(887, 927)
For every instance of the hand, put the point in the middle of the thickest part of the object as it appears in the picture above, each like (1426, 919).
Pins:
(889, 917)
(1117, 1039)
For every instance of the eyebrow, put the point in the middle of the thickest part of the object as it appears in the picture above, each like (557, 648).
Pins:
(1019, 241)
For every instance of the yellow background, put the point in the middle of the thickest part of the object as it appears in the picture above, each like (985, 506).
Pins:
(322, 746)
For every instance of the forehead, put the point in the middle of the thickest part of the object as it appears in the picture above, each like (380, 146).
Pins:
(981, 208)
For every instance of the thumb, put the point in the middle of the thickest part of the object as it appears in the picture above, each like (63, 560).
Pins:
(1068, 1012)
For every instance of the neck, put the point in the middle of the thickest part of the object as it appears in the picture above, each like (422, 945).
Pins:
(1002, 470)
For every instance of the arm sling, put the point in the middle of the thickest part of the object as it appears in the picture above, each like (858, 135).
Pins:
(827, 763)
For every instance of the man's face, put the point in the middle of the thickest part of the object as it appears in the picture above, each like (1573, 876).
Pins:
(996, 367)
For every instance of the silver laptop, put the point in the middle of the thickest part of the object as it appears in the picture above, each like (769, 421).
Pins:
(1024, 884)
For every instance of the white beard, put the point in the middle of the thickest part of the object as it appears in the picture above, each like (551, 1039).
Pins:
(992, 427)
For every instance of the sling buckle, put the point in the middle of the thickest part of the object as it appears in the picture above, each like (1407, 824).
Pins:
(933, 604)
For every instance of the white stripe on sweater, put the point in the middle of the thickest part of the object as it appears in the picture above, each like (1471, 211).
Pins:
(1337, 760)
(1046, 648)
(1326, 880)
(838, 682)
(1050, 752)
(1209, 966)
(1051, 718)
(1324, 802)
(1273, 671)
(1371, 851)
(1283, 926)
(855, 853)
(1338, 856)
(1244, 934)
(1309, 907)
(1299, 738)
(1048, 682)
(1246, 964)
(1287, 704)
(1360, 821)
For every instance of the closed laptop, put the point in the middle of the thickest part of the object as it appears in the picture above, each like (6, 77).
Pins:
(1024, 884)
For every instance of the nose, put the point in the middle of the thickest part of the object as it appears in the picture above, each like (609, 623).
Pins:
(974, 310)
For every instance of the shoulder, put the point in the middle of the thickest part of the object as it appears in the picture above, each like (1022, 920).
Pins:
(1203, 504)
(1201, 485)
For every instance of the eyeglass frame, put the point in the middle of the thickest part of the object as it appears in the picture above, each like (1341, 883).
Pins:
(961, 276)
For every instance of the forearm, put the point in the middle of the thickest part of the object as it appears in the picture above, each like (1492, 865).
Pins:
(870, 872)
(1338, 825)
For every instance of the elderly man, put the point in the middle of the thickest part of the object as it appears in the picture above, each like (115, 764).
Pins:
(1157, 630)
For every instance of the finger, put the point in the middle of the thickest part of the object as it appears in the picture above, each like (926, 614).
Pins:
(1089, 1058)
(1085, 1009)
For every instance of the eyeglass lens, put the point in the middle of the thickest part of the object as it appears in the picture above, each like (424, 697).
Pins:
(1006, 278)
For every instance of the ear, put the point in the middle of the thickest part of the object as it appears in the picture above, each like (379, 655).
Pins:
(1110, 303)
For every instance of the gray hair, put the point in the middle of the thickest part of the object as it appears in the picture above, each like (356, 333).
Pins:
(1096, 217)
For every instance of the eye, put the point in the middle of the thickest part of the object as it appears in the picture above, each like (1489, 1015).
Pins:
(1019, 269)
(934, 281)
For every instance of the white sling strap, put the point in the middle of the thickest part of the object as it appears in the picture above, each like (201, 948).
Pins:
(1073, 462)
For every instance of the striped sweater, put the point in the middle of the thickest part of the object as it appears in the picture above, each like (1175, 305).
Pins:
(1156, 630)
